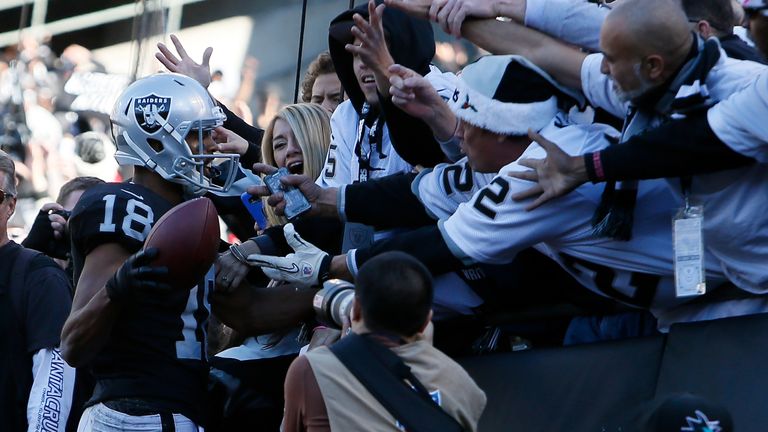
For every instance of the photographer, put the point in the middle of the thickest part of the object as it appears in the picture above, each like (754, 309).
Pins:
(323, 390)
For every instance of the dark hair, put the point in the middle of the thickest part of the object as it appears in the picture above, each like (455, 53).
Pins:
(76, 184)
(395, 293)
(8, 169)
(718, 13)
(321, 65)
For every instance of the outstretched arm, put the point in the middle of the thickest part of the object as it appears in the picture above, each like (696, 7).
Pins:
(662, 152)
(554, 57)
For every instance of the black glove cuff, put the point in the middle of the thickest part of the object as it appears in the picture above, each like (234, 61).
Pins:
(115, 291)
(325, 269)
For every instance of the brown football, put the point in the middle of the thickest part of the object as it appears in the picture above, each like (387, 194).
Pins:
(187, 239)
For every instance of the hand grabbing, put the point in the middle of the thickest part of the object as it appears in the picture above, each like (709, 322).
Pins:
(556, 175)
(137, 276)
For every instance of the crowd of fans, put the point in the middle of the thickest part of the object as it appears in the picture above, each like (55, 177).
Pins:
(451, 201)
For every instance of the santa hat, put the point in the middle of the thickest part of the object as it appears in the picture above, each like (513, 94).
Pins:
(507, 95)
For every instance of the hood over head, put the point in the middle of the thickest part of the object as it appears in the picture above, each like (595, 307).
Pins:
(411, 44)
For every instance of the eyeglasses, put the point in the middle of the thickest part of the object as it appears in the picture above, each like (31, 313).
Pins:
(3, 195)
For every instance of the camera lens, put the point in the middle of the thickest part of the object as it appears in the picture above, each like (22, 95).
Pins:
(333, 302)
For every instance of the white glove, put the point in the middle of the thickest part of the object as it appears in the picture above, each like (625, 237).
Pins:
(304, 267)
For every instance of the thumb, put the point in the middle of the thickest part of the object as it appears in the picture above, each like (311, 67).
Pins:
(259, 260)
(294, 239)
(207, 56)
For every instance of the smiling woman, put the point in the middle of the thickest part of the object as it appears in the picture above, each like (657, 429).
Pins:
(298, 139)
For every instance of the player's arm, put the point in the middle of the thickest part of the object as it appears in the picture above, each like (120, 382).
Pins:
(93, 313)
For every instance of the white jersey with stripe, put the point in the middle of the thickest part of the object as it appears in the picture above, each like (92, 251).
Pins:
(492, 228)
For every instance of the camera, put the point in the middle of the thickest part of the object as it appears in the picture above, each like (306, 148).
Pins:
(334, 302)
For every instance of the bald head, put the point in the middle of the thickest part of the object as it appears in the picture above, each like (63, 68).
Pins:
(651, 27)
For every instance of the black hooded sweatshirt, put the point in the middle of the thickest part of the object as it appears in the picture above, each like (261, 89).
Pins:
(411, 44)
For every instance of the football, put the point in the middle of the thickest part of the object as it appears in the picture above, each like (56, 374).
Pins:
(187, 239)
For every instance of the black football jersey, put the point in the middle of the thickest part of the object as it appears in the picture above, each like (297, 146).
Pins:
(156, 351)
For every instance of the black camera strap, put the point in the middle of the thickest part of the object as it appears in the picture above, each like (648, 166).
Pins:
(393, 384)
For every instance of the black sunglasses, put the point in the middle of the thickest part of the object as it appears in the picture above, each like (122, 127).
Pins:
(4, 194)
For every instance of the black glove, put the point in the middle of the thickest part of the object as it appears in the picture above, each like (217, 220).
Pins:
(41, 237)
(136, 275)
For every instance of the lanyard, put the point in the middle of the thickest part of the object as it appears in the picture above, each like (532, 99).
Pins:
(374, 135)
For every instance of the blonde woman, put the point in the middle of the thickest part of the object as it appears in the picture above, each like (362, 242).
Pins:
(297, 139)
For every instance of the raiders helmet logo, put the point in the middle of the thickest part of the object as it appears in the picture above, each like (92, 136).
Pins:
(151, 112)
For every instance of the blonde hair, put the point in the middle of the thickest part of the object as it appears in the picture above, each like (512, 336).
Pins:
(311, 125)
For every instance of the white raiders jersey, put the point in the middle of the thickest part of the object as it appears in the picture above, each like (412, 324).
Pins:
(492, 228)
(342, 165)
(735, 225)
(441, 189)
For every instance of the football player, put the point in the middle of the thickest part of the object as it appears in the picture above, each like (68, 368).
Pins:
(144, 340)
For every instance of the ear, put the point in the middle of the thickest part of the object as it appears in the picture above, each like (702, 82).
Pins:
(426, 322)
(704, 29)
(654, 67)
(11, 208)
(356, 314)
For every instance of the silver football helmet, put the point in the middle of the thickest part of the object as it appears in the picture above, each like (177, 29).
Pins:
(150, 123)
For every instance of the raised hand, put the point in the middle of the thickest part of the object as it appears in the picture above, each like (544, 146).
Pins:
(200, 72)
(416, 96)
(556, 175)
(452, 14)
(373, 49)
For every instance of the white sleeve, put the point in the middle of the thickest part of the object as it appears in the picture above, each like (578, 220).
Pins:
(598, 87)
(575, 21)
(739, 121)
(51, 396)
(336, 171)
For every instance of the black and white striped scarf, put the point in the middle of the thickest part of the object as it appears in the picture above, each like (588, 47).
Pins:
(686, 93)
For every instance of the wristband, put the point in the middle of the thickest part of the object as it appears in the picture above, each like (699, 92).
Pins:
(238, 254)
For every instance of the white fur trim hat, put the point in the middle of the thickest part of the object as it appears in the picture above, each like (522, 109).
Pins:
(506, 95)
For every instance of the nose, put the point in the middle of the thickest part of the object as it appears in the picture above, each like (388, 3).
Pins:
(328, 105)
(293, 148)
